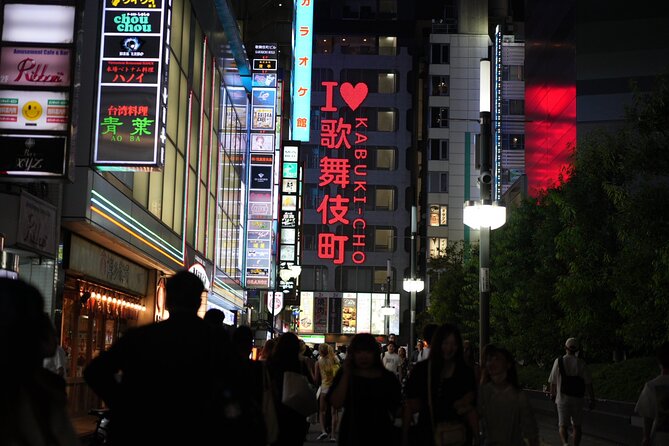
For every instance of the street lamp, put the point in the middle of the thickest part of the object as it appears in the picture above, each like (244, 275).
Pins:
(484, 215)
(413, 285)
(387, 310)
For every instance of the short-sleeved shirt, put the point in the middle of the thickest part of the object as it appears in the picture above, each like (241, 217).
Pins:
(654, 403)
(573, 366)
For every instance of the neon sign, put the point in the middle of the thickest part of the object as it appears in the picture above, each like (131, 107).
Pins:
(348, 173)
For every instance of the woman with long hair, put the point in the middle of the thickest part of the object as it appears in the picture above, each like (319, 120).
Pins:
(293, 427)
(443, 391)
(369, 394)
(326, 368)
(506, 416)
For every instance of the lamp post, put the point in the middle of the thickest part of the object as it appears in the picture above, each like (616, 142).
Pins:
(413, 285)
(387, 309)
(484, 215)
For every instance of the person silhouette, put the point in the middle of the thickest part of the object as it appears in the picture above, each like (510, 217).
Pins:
(33, 407)
(164, 368)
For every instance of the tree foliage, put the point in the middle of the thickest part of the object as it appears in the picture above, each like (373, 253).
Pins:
(588, 258)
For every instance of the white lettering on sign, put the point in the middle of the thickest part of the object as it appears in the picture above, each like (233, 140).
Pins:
(200, 272)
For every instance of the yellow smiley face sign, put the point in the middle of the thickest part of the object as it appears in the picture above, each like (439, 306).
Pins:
(32, 110)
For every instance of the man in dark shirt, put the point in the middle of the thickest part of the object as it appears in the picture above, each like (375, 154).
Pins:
(161, 381)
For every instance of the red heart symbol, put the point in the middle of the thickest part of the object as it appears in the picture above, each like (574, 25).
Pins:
(353, 96)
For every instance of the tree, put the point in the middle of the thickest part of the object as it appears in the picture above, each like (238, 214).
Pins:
(454, 293)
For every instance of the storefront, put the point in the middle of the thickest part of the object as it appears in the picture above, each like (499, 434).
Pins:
(104, 295)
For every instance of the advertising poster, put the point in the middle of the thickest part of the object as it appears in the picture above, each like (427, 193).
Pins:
(289, 203)
(127, 129)
(34, 110)
(306, 312)
(290, 170)
(287, 253)
(349, 314)
(378, 320)
(262, 142)
(289, 186)
(33, 66)
(264, 80)
(129, 72)
(261, 177)
(288, 235)
(263, 97)
(32, 155)
(334, 316)
(364, 315)
(320, 314)
(262, 118)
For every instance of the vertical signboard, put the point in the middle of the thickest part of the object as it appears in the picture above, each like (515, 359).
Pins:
(290, 211)
(301, 81)
(348, 313)
(321, 312)
(306, 312)
(35, 84)
(132, 85)
(348, 173)
(259, 229)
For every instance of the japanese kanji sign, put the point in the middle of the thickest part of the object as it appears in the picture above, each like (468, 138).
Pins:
(132, 90)
(347, 171)
(301, 81)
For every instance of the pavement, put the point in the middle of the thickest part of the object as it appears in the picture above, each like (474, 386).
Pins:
(547, 421)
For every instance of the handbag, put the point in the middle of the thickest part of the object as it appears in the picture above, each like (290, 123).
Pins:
(299, 394)
(446, 433)
(269, 410)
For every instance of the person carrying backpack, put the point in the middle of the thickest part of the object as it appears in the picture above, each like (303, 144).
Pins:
(570, 380)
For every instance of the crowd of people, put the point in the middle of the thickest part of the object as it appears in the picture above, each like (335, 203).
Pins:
(190, 380)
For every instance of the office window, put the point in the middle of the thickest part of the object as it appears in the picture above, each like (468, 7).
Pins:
(440, 53)
(438, 182)
(513, 73)
(438, 246)
(381, 279)
(440, 85)
(513, 107)
(439, 117)
(320, 75)
(387, 46)
(387, 83)
(384, 239)
(439, 149)
(513, 141)
(353, 278)
(438, 215)
(386, 121)
(384, 159)
(388, 9)
(384, 199)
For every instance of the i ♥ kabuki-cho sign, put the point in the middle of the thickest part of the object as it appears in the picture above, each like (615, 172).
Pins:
(345, 166)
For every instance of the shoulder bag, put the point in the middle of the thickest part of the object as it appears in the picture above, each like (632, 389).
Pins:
(299, 394)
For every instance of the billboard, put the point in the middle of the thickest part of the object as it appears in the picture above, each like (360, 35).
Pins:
(132, 88)
(301, 81)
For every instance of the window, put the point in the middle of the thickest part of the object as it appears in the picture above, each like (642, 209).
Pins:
(314, 278)
(388, 9)
(439, 149)
(513, 141)
(387, 46)
(310, 235)
(440, 85)
(381, 279)
(512, 73)
(439, 117)
(320, 75)
(313, 155)
(386, 83)
(438, 182)
(384, 159)
(353, 278)
(384, 199)
(438, 215)
(440, 53)
(313, 197)
(384, 239)
(438, 246)
(513, 107)
(385, 121)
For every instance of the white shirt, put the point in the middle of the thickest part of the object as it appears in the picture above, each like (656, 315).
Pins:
(391, 361)
(654, 403)
(58, 360)
(422, 356)
(573, 366)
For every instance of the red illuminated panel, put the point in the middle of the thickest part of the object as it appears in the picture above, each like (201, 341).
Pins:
(550, 134)
(348, 172)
